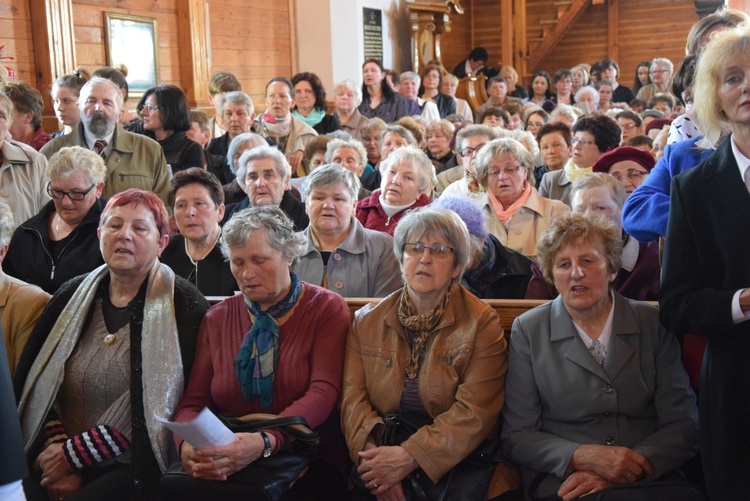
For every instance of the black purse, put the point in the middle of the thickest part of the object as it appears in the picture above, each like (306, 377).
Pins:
(267, 479)
(469, 480)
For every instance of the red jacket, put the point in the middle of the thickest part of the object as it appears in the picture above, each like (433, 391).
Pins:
(371, 214)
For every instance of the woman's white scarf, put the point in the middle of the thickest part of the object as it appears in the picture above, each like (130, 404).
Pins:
(163, 380)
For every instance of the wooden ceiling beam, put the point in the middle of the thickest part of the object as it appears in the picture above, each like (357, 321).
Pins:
(571, 14)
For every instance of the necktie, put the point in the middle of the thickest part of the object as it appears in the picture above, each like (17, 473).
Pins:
(598, 352)
(99, 146)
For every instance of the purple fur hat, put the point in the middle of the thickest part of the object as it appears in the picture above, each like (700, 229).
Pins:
(468, 211)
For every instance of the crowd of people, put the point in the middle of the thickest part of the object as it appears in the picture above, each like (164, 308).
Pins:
(119, 230)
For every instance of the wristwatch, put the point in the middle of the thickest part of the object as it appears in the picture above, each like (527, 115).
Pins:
(267, 444)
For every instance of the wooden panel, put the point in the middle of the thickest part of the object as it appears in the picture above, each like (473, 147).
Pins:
(16, 29)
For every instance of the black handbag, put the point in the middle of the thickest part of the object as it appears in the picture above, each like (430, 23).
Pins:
(267, 479)
(469, 480)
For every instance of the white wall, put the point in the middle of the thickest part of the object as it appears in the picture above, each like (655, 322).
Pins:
(333, 48)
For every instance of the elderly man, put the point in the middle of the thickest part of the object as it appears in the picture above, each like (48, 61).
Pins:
(498, 96)
(459, 181)
(132, 160)
(22, 168)
(661, 74)
(238, 113)
(265, 173)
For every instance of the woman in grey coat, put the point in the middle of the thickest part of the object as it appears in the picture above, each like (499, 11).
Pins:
(342, 255)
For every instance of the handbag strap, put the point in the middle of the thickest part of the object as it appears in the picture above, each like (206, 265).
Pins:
(294, 426)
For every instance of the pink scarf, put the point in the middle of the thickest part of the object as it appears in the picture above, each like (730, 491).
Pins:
(503, 214)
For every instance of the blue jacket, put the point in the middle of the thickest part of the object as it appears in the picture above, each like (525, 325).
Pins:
(646, 210)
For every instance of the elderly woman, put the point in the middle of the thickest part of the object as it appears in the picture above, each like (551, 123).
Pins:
(20, 303)
(638, 276)
(407, 174)
(432, 81)
(371, 132)
(439, 137)
(461, 181)
(22, 170)
(449, 86)
(28, 106)
(61, 241)
(409, 82)
(278, 123)
(392, 137)
(704, 289)
(197, 201)
(587, 99)
(596, 391)
(628, 165)
(303, 325)
(64, 95)
(554, 147)
(165, 112)
(431, 349)
(346, 98)
(592, 137)
(660, 72)
(352, 156)
(114, 349)
(378, 98)
(237, 113)
(517, 214)
(234, 191)
(340, 254)
(310, 103)
(265, 174)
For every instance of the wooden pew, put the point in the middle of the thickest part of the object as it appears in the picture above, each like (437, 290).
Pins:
(472, 89)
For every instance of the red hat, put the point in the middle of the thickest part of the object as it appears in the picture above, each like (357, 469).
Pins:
(621, 154)
(657, 123)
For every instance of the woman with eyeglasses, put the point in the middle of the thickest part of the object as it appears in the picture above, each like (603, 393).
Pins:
(516, 213)
(165, 112)
(431, 352)
(60, 242)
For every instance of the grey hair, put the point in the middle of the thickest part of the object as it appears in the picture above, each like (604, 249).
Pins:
(328, 175)
(401, 131)
(412, 156)
(238, 142)
(587, 89)
(7, 223)
(567, 111)
(664, 62)
(474, 130)
(100, 81)
(425, 221)
(262, 152)
(499, 147)
(351, 86)
(410, 75)
(601, 180)
(281, 234)
(240, 98)
(355, 145)
(8, 105)
(76, 159)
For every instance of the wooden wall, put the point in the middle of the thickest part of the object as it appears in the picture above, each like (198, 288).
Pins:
(456, 44)
(15, 32)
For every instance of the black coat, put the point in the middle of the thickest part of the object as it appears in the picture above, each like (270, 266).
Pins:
(706, 260)
(181, 152)
(502, 274)
(12, 459)
(446, 105)
(190, 307)
(29, 258)
(214, 276)
(291, 206)
(329, 123)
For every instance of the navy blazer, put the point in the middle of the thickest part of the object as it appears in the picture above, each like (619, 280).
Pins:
(706, 260)
(557, 397)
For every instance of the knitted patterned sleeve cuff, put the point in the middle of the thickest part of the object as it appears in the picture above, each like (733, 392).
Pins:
(94, 446)
(53, 433)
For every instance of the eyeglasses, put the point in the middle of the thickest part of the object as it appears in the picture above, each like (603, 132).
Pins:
(628, 126)
(583, 142)
(654, 72)
(146, 106)
(469, 152)
(437, 250)
(631, 174)
(507, 171)
(74, 195)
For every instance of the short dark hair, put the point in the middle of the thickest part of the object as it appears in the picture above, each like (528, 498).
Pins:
(496, 111)
(174, 109)
(479, 54)
(552, 127)
(196, 175)
(661, 97)
(223, 81)
(317, 87)
(497, 78)
(117, 75)
(283, 80)
(26, 99)
(560, 74)
(684, 76)
(606, 131)
(632, 115)
(610, 63)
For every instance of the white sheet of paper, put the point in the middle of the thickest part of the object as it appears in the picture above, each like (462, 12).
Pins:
(204, 431)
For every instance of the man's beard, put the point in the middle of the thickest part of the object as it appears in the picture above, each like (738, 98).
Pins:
(98, 125)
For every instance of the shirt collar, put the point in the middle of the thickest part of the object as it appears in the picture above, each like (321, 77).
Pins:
(742, 161)
(606, 333)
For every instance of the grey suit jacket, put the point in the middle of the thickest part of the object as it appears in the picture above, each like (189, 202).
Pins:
(556, 185)
(558, 397)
